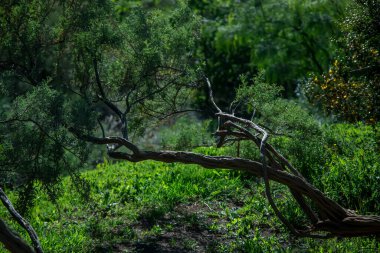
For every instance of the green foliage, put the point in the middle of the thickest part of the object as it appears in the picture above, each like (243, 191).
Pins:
(258, 91)
(278, 115)
(80, 65)
(293, 130)
(354, 167)
(186, 133)
(133, 205)
(123, 7)
(35, 147)
(121, 195)
(340, 159)
(290, 37)
(286, 38)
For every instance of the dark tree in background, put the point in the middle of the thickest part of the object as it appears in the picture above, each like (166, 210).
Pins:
(289, 39)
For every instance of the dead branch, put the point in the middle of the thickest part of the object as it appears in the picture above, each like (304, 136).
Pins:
(326, 218)
(17, 243)
(12, 241)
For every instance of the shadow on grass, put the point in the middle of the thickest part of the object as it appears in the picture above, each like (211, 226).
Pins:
(183, 229)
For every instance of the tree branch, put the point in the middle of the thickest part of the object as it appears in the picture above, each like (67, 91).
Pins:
(211, 96)
(102, 96)
(340, 222)
(333, 218)
(107, 140)
(12, 241)
(21, 221)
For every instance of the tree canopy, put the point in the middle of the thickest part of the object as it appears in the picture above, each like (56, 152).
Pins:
(70, 64)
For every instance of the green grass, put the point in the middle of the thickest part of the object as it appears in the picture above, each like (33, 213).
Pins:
(155, 207)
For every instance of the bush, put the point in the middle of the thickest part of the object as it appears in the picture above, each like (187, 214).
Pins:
(185, 134)
(343, 161)
(340, 159)
(350, 89)
(353, 173)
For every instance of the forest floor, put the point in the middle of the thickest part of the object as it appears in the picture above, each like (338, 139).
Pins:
(155, 207)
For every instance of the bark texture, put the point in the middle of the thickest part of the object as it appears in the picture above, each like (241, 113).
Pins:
(12, 241)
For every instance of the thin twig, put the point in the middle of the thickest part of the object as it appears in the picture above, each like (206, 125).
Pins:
(211, 95)
(102, 128)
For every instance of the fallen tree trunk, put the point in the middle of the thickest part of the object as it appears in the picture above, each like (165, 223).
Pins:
(339, 221)
(326, 217)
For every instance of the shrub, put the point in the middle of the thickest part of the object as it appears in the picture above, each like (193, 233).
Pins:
(352, 174)
(343, 161)
(185, 134)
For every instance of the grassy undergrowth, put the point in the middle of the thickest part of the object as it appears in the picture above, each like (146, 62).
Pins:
(155, 207)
